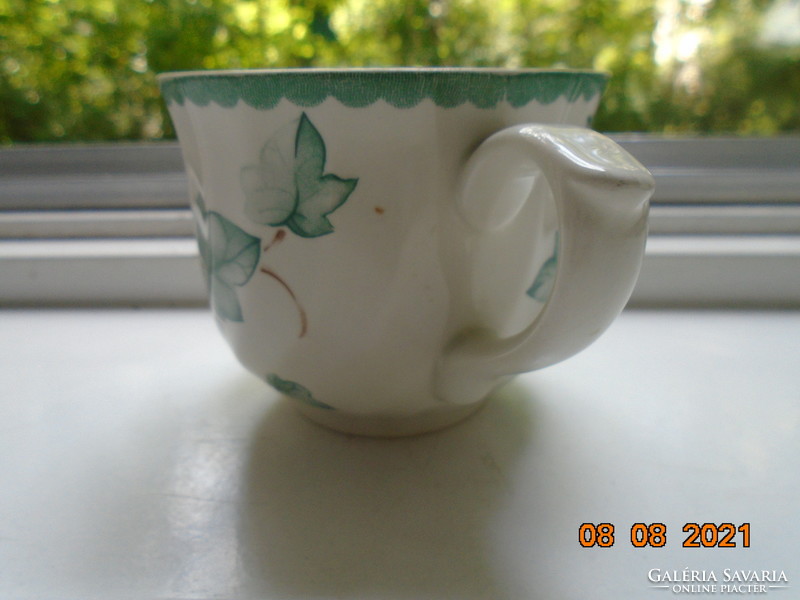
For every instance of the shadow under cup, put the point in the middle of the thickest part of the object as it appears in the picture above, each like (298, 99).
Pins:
(326, 205)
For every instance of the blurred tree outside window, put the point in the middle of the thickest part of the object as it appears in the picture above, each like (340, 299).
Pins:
(84, 70)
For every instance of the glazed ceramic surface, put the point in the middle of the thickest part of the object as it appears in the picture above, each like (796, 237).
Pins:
(385, 247)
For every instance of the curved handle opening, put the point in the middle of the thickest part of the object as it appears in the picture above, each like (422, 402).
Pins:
(569, 203)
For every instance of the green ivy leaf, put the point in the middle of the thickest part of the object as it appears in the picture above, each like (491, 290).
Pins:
(230, 256)
(542, 285)
(225, 302)
(269, 187)
(296, 391)
(289, 186)
(201, 233)
(234, 252)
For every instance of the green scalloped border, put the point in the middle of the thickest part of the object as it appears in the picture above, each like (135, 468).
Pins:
(402, 89)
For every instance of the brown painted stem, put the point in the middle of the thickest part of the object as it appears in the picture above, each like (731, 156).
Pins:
(300, 309)
(279, 235)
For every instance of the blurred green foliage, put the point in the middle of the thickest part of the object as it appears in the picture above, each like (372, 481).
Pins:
(85, 69)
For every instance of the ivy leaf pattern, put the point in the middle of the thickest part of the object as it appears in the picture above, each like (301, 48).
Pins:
(230, 256)
(542, 285)
(200, 215)
(289, 187)
(296, 391)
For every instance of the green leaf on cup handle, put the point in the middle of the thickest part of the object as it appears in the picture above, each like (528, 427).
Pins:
(542, 285)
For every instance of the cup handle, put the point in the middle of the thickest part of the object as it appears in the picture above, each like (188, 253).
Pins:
(601, 197)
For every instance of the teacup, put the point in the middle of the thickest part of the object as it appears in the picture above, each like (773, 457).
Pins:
(387, 246)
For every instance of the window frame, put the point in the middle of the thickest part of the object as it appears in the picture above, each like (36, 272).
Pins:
(109, 224)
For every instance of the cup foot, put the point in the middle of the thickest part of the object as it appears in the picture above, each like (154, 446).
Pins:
(389, 426)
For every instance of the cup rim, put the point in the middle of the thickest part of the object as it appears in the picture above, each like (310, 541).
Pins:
(401, 87)
(310, 71)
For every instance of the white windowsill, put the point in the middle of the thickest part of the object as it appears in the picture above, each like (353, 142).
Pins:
(679, 271)
(139, 460)
(109, 225)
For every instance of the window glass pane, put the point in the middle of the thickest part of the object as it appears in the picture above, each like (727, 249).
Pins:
(84, 69)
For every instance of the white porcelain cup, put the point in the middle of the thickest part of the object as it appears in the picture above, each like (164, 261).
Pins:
(387, 246)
